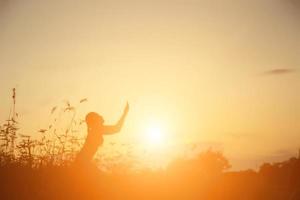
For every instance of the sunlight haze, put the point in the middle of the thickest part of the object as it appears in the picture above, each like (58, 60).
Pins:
(216, 73)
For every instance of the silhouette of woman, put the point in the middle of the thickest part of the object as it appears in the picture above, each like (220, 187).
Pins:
(96, 129)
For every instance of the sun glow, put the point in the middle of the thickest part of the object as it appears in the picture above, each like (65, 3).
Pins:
(155, 136)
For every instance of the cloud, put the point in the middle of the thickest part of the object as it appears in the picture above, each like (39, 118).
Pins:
(279, 155)
(285, 152)
(295, 3)
(279, 71)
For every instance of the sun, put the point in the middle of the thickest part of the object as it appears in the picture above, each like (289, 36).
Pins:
(155, 136)
(155, 143)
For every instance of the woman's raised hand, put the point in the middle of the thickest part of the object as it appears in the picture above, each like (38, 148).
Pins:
(126, 108)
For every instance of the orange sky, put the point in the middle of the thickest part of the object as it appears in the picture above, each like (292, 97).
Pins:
(201, 68)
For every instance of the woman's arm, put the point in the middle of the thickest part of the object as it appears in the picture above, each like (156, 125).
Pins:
(117, 127)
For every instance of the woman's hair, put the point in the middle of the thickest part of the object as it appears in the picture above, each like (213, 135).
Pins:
(93, 119)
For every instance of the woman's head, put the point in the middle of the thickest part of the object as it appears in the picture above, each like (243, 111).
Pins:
(94, 119)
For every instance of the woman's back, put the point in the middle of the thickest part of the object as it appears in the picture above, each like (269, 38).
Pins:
(93, 141)
(96, 130)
